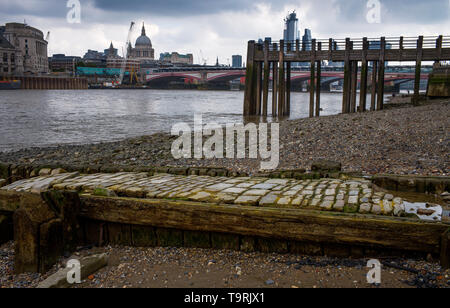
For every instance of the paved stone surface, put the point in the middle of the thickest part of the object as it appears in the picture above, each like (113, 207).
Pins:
(323, 195)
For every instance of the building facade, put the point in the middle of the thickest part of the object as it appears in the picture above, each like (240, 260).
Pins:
(236, 61)
(63, 63)
(30, 43)
(10, 59)
(176, 58)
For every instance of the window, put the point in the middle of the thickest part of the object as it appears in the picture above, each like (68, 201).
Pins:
(13, 58)
(5, 57)
(5, 69)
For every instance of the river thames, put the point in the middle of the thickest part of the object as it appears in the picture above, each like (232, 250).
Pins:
(48, 118)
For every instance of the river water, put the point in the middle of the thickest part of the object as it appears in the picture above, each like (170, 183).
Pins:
(48, 118)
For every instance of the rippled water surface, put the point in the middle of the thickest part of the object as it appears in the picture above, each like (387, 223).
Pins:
(46, 118)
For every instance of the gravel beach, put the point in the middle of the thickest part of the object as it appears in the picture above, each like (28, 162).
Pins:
(200, 268)
(406, 140)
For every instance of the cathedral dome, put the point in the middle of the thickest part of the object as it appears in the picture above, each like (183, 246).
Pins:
(143, 40)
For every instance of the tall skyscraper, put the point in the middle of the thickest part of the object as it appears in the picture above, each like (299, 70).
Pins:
(291, 32)
(306, 40)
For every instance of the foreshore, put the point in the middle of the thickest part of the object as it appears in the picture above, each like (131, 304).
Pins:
(401, 140)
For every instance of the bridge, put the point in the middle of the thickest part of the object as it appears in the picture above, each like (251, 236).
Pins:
(276, 59)
(395, 77)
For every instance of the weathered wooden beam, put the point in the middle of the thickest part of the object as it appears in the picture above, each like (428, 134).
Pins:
(287, 108)
(363, 83)
(266, 78)
(418, 70)
(312, 81)
(347, 77)
(249, 83)
(259, 81)
(318, 82)
(281, 80)
(381, 68)
(373, 97)
(354, 86)
(275, 84)
(445, 249)
(288, 224)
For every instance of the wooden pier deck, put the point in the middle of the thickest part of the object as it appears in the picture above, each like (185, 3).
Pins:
(359, 55)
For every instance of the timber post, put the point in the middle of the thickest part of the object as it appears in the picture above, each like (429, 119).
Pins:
(248, 96)
(346, 88)
(418, 70)
(380, 94)
(281, 81)
(287, 109)
(312, 83)
(363, 83)
(266, 78)
(318, 82)
(274, 84)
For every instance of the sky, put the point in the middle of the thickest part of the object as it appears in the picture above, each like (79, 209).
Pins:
(220, 28)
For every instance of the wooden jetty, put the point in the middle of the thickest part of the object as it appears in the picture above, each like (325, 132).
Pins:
(360, 57)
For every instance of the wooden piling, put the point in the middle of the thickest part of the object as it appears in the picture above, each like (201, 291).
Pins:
(318, 81)
(380, 94)
(363, 83)
(287, 108)
(418, 69)
(347, 81)
(258, 88)
(248, 96)
(312, 79)
(266, 78)
(281, 81)
(373, 97)
(275, 85)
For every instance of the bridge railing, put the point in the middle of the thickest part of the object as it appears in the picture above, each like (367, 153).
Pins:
(429, 42)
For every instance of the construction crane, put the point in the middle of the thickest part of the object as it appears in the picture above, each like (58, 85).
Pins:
(204, 60)
(125, 56)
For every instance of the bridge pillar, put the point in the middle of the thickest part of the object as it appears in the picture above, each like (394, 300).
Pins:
(418, 69)
(363, 83)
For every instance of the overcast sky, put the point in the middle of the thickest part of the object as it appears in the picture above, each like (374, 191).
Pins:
(219, 28)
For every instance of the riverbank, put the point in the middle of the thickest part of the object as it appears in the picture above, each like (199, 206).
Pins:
(408, 140)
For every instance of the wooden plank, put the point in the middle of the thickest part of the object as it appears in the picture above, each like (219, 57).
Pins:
(249, 91)
(287, 224)
(318, 82)
(445, 249)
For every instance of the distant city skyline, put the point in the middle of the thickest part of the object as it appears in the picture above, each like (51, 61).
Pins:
(218, 28)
